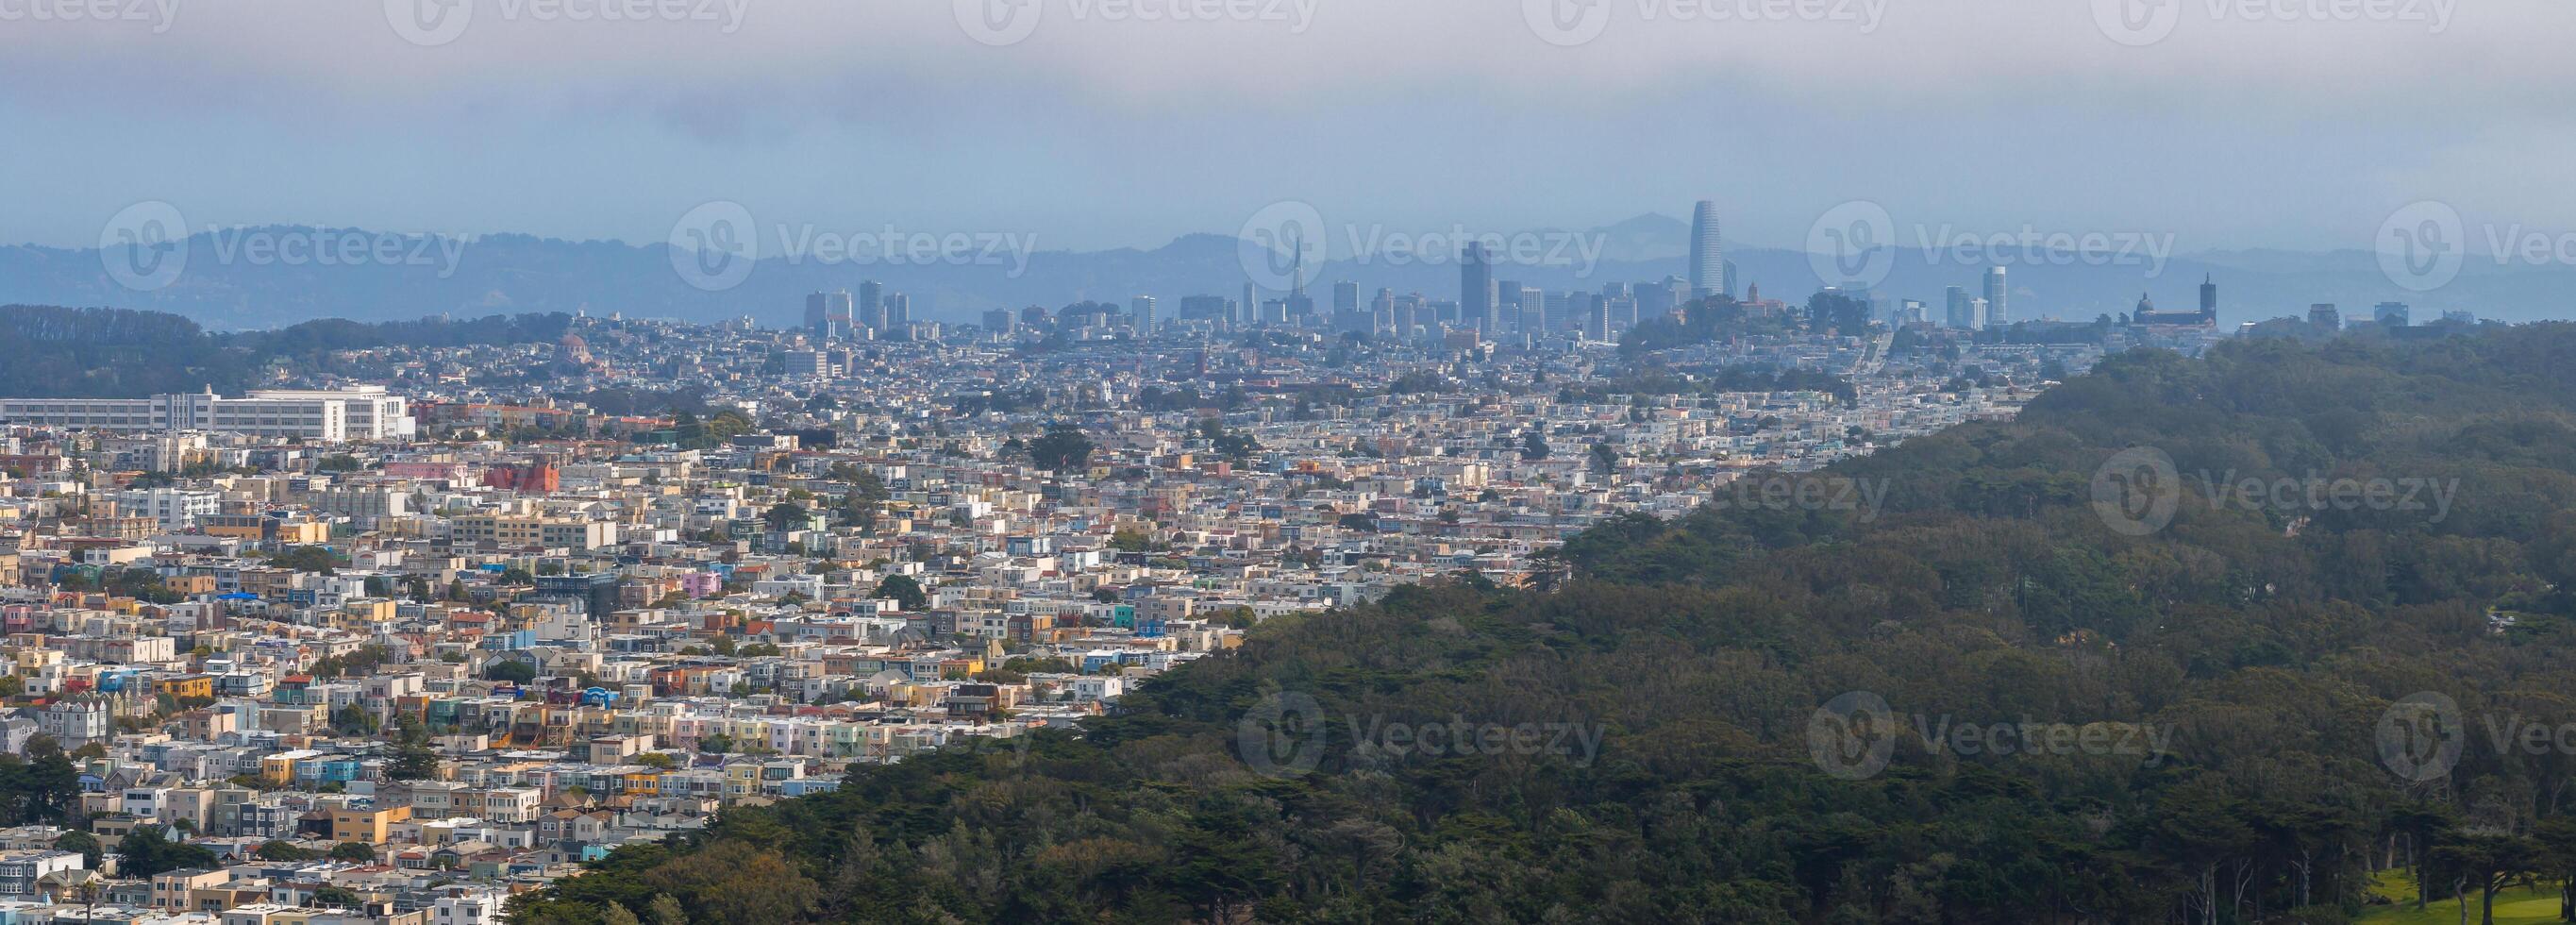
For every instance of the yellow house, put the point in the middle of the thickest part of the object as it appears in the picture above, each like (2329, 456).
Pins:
(370, 610)
(195, 685)
(372, 826)
(280, 768)
(303, 532)
(643, 783)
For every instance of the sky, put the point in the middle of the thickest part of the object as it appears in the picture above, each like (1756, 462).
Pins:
(1091, 124)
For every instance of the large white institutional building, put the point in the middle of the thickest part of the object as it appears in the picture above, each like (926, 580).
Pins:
(329, 416)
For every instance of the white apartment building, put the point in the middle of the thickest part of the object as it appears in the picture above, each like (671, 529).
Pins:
(372, 413)
(174, 509)
(361, 413)
(466, 909)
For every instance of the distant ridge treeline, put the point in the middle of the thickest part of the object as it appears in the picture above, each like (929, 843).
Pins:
(125, 353)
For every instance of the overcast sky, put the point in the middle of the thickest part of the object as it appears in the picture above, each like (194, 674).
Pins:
(1098, 123)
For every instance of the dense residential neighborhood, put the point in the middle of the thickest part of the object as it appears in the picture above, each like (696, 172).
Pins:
(405, 632)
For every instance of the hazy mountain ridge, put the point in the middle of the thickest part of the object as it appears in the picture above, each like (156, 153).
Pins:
(224, 287)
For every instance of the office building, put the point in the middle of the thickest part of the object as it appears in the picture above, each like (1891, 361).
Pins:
(1141, 308)
(807, 363)
(827, 315)
(870, 310)
(1998, 298)
(1477, 305)
(1207, 308)
(1962, 310)
(360, 413)
(1707, 255)
(2392, 314)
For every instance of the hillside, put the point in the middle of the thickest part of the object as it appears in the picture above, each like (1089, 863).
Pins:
(122, 353)
(2095, 664)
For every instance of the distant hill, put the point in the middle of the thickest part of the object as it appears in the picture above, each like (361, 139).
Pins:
(124, 353)
(222, 288)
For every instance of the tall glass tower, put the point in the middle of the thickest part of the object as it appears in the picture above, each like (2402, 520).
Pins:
(1707, 257)
(1476, 289)
(1998, 313)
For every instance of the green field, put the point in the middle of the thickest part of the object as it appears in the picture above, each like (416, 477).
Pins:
(2513, 907)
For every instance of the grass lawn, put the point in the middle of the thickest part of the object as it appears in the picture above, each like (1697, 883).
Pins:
(2513, 907)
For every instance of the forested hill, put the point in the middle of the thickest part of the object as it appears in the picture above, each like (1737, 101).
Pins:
(2206, 641)
(121, 353)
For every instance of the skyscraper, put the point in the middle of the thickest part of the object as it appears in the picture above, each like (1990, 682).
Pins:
(827, 314)
(1707, 256)
(1962, 313)
(1298, 307)
(1476, 289)
(2208, 299)
(1142, 307)
(1998, 313)
(898, 310)
(1346, 307)
(871, 307)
